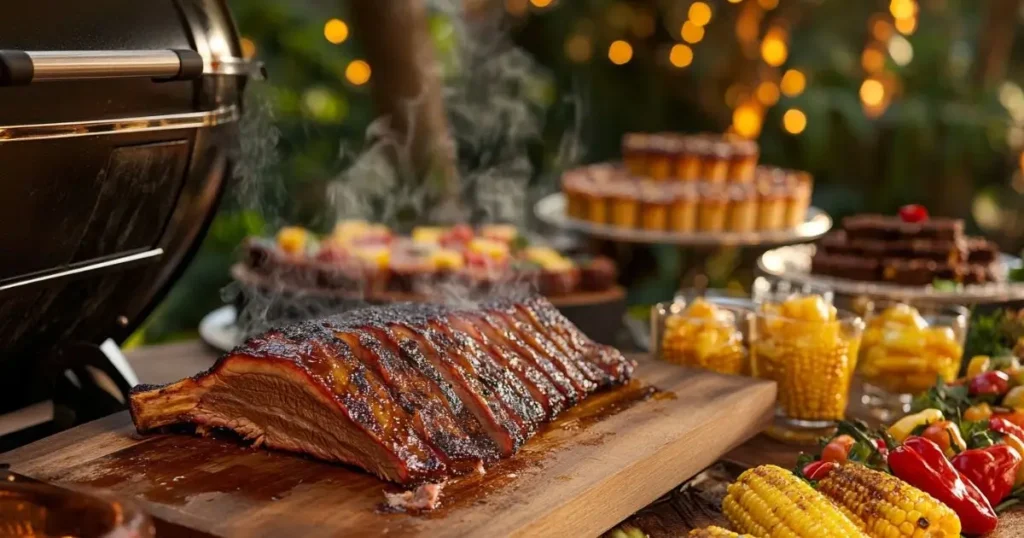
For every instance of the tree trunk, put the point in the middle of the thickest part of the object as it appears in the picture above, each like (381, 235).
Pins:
(406, 87)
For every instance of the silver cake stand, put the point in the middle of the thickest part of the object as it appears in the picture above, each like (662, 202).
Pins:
(551, 211)
(793, 264)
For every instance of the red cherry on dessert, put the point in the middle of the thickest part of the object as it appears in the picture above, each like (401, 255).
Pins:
(913, 213)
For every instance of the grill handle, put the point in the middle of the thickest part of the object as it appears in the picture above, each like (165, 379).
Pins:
(18, 67)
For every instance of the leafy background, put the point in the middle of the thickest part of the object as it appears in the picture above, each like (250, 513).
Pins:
(947, 132)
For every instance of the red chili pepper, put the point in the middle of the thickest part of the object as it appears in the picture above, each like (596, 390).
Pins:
(921, 463)
(992, 469)
(995, 382)
(816, 470)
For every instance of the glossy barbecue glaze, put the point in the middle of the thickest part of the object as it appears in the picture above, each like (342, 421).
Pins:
(409, 392)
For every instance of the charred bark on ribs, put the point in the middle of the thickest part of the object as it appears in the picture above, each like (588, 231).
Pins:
(411, 393)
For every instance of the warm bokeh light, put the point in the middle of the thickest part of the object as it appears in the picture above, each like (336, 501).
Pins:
(692, 33)
(578, 48)
(541, 3)
(358, 72)
(1022, 161)
(901, 51)
(767, 93)
(248, 48)
(700, 13)
(793, 83)
(881, 29)
(680, 55)
(773, 49)
(907, 25)
(336, 31)
(768, 5)
(872, 92)
(735, 1)
(734, 94)
(517, 7)
(746, 121)
(794, 121)
(902, 9)
(619, 15)
(620, 52)
(872, 60)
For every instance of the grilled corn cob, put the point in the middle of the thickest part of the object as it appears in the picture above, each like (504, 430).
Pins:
(716, 532)
(885, 506)
(770, 502)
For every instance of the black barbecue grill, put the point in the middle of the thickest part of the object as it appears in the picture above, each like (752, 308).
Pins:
(118, 128)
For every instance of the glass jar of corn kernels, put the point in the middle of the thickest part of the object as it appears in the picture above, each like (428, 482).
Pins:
(810, 349)
(904, 350)
(704, 329)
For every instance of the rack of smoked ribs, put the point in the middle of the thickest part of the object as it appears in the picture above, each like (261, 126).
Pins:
(909, 250)
(373, 261)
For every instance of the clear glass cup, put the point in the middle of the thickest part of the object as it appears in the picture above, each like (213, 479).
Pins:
(905, 350)
(703, 329)
(30, 508)
(811, 358)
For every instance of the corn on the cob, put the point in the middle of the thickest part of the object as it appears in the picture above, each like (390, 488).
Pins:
(716, 532)
(770, 502)
(886, 506)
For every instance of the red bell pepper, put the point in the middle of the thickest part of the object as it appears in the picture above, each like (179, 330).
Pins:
(816, 470)
(992, 469)
(995, 382)
(882, 449)
(921, 463)
(1008, 423)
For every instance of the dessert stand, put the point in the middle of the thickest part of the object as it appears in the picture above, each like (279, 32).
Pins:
(551, 211)
(793, 264)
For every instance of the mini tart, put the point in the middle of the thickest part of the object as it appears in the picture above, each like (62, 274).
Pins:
(654, 209)
(624, 204)
(742, 209)
(558, 279)
(689, 159)
(715, 162)
(743, 161)
(573, 186)
(661, 158)
(771, 214)
(798, 199)
(597, 274)
(682, 213)
(712, 210)
(596, 204)
(635, 147)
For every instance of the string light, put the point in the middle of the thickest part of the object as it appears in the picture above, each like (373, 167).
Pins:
(906, 25)
(691, 32)
(700, 13)
(902, 9)
(794, 121)
(578, 48)
(746, 120)
(248, 48)
(735, 1)
(872, 92)
(901, 50)
(681, 55)
(358, 72)
(793, 83)
(767, 93)
(881, 29)
(541, 3)
(643, 24)
(620, 52)
(768, 5)
(872, 60)
(773, 48)
(336, 31)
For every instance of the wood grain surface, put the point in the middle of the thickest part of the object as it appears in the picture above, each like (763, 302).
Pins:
(582, 475)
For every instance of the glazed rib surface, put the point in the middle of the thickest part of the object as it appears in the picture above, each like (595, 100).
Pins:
(411, 393)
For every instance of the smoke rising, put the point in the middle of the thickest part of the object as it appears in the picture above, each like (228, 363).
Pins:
(496, 100)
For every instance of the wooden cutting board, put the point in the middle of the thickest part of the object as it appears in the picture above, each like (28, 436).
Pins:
(586, 472)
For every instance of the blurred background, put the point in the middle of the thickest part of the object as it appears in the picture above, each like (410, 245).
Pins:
(884, 102)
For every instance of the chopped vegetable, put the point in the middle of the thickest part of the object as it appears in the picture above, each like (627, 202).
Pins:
(906, 425)
(994, 383)
(978, 412)
(979, 365)
(837, 450)
(946, 434)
